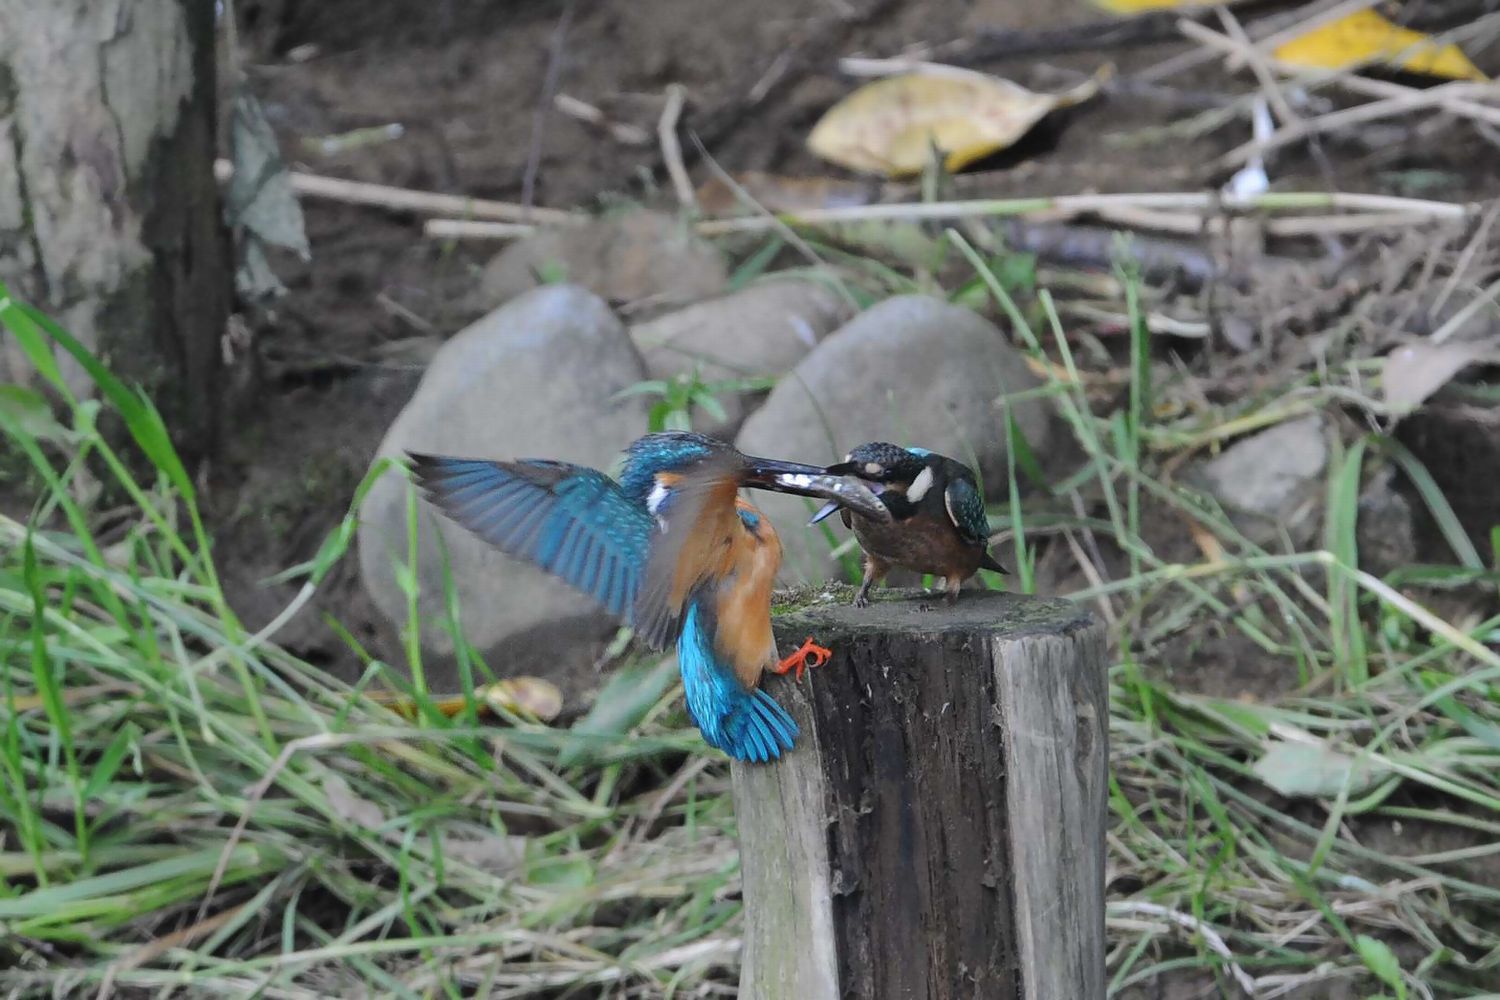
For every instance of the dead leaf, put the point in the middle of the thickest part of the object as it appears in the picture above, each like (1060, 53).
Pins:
(349, 806)
(527, 696)
(781, 194)
(484, 850)
(1313, 770)
(891, 125)
(523, 696)
(1367, 36)
(1136, 6)
(1416, 371)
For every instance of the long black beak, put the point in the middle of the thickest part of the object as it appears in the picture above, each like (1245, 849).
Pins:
(824, 511)
(812, 481)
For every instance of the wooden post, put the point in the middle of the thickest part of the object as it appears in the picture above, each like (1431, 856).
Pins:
(938, 832)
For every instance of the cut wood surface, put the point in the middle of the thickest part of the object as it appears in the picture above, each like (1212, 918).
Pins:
(939, 829)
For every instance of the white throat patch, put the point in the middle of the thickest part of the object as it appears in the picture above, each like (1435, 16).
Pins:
(919, 486)
(656, 497)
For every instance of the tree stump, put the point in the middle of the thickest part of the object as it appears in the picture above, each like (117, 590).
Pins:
(938, 831)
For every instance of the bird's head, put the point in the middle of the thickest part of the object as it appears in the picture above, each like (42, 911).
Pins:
(659, 465)
(889, 468)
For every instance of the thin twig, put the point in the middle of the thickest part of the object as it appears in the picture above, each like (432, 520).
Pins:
(671, 148)
(622, 132)
(406, 200)
(1481, 235)
(469, 229)
(1115, 206)
(1187, 921)
(543, 109)
(1263, 75)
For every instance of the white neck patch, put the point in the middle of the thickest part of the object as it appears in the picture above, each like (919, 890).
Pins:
(919, 486)
(656, 497)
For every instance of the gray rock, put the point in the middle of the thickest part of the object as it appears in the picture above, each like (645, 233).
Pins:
(647, 259)
(1272, 482)
(913, 370)
(761, 331)
(533, 379)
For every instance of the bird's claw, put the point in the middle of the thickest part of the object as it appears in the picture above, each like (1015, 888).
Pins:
(807, 656)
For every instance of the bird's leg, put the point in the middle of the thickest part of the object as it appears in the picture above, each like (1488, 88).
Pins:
(953, 583)
(808, 655)
(875, 571)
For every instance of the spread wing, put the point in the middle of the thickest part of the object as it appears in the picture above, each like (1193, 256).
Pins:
(689, 528)
(966, 509)
(571, 521)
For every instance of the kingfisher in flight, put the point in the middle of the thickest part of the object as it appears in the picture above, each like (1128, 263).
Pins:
(937, 522)
(671, 549)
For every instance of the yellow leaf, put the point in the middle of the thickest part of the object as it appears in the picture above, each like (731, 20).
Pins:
(1136, 6)
(1366, 36)
(889, 126)
(518, 696)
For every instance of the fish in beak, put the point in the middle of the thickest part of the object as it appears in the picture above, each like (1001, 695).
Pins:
(813, 481)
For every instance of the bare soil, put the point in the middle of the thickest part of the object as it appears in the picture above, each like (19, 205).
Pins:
(465, 82)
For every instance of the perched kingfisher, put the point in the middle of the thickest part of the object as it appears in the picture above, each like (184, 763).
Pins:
(671, 549)
(937, 522)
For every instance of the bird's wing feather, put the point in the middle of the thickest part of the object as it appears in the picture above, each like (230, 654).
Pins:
(683, 547)
(966, 510)
(572, 521)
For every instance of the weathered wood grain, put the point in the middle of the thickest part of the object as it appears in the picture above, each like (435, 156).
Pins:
(939, 830)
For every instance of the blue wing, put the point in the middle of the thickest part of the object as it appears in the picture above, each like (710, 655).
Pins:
(571, 521)
(966, 509)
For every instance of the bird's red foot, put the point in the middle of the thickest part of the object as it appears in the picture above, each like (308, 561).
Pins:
(808, 655)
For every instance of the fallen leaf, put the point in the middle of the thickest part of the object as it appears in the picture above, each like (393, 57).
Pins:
(774, 193)
(527, 696)
(1415, 371)
(348, 805)
(1312, 770)
(1367, 36)
(484, 850)
(891, 125)
(1136, 6)
(523, 696)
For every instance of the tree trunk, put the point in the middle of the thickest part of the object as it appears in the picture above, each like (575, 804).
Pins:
(938, 831)
(109, 213)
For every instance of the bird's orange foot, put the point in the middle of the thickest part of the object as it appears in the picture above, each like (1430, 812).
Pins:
(808, 655)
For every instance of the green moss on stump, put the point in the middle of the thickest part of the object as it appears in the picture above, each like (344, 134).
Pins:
(828, 609)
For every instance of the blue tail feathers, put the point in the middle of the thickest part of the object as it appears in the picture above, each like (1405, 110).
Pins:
(746, 724)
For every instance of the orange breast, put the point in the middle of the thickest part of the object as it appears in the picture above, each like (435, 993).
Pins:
(744, 605)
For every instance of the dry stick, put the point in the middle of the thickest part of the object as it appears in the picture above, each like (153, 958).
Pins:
(1481, 234)
(1202, 202)
(1406, 99)
(405, 200)
(544, 104)
(1263, 75)
(1331, 225)
(1192, 58)
(1059, 207)
(467, 229)
(1150, 27)
(671, 149)
(622, 132)
(1267, 43)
